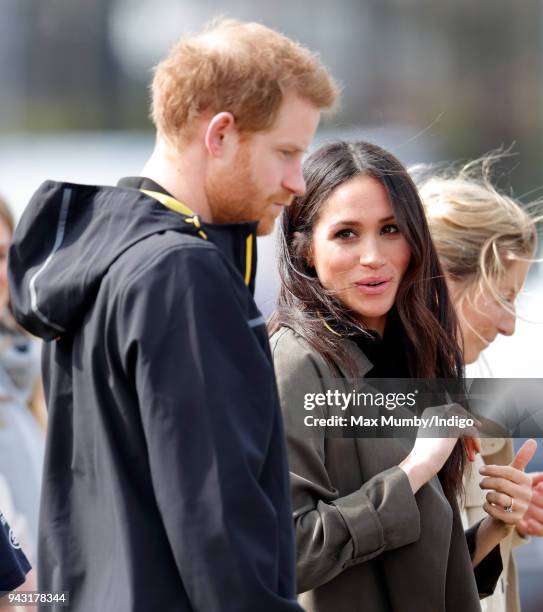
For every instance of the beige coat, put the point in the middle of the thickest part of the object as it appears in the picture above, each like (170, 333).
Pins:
(498, 451)
(365, 543)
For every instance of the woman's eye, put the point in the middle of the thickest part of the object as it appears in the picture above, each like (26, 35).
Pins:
(390, 228)
(344, 234)
(510, 299)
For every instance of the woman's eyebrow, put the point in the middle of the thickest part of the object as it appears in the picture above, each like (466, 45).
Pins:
(358, 222)
(346, 222)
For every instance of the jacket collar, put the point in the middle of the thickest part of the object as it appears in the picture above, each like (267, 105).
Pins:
(363, 364)
(236, 240)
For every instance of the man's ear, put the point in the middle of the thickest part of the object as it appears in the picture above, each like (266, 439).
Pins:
(219, 129)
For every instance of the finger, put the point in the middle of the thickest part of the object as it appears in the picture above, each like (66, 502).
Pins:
(537, 478)
(468, 432)
(501, 485)
(537, 496)
(524, 455)
(507, 472)
(472, 448)
(535, 528)
(534, 513)
(536, 503)
(500, 499)
(474, 442)
(529, 527)
(499, 513)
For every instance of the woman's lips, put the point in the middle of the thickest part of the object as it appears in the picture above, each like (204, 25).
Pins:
(373, 286)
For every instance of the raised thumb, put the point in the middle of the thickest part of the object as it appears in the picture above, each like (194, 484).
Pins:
(524, 454)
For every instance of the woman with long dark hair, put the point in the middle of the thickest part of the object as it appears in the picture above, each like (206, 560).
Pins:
(363, 296)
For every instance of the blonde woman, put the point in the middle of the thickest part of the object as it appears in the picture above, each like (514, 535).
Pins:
(485, 242)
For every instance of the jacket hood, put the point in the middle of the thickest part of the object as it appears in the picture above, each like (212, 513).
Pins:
(68, 237)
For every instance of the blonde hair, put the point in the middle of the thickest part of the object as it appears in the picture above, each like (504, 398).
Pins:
(242, 68)
(6, 215)
(477, 230)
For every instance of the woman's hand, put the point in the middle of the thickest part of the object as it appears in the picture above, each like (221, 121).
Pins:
(510, 489)
(532, 523)
(429, 454)
(508, 499)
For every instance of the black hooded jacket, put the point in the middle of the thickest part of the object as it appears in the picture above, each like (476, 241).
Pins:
(165, 483)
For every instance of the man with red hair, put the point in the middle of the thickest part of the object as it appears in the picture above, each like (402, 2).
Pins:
(166, 482)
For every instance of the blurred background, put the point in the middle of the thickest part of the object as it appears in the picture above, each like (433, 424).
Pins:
(430, 81)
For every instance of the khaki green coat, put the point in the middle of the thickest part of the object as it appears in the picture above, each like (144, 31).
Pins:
(364, 542)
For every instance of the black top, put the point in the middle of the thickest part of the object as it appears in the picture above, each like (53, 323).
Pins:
(387, 354)
(489, 569)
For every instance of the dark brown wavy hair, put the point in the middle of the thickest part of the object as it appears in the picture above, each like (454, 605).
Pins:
(424, 308)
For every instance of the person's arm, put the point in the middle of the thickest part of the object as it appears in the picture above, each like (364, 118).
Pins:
(509, 486)
(210, 417)
(333, 532)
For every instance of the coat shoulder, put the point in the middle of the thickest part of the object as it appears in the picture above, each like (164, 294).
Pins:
(292, 353)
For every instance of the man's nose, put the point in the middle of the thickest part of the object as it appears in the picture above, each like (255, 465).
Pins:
(294, 180)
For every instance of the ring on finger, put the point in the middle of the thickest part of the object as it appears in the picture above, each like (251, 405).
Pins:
(509, 508)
